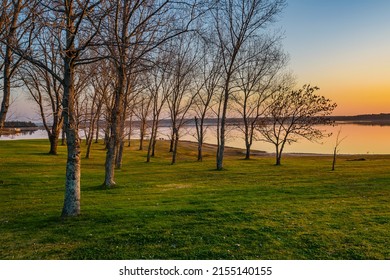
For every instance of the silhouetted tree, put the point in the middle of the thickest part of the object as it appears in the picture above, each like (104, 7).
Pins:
(292, 114)
(336, 148)
(256, 79)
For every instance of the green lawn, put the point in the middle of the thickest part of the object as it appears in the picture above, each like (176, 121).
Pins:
(251, 210)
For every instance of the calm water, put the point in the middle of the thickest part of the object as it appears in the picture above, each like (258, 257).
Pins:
(360, 139)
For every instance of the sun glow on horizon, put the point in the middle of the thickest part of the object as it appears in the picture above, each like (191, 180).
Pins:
(347, 57)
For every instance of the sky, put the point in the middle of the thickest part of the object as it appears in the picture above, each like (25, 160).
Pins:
(343, 47)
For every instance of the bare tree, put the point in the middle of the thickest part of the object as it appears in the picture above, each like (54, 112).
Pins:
(336, 148)
(78, 22)
(294, 114)
(142, 111)
(103, 84)
(12, 29)
(262, 60)
(47, 94)
(134, 31)
(158, 89)
(236, 23)
(209, 86)
(92, 102)
(185, 60)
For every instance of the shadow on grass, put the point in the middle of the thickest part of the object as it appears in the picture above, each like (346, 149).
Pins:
(102, 187)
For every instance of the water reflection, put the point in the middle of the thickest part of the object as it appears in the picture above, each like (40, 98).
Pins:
(25, 134)
(360, 139)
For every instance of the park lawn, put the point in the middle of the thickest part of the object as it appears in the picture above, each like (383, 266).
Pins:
(251, 210)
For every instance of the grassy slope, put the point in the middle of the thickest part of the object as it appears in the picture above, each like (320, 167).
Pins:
(252, 210)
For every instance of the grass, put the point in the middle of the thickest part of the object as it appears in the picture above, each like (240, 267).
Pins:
(251, 210)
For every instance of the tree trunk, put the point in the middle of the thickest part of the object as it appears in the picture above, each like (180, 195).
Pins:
(6, 87)
(200, 152)
(63, 138)
(277, 155)
(120, 140)
(130, 130)
(119, 155)
(152, 139)
(109, 164)
(72, 184)
(279, 151)
(199, 132)
(115, 135)
(89, 139)
(154, 144)
(221, 146)
(129, 139)
(334, 159)
(248, 151)
(97, 132)
(142, 135)
(89, 144)
(7, 66)
(53, 138)
(175, 142)
(107, 134)
(172, 143)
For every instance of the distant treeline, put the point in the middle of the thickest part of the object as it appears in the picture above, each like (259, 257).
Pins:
(19, 124)
(369, 119)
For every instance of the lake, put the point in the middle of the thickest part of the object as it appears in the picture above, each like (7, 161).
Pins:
(359, 139)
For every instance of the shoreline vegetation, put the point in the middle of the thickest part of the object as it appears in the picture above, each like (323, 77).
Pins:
(251, 210)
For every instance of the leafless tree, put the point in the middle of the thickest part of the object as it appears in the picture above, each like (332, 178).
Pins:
(209, 85)
(294, 114)
(158, 89)
(78, 22)
(134, 30)
(47, 94)
(103, 84)
(13, 20)
(142, 111)
(130, 102)
(91, 104)
(336, 148)
(184, 62)
(262, 60)
(237, 22)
